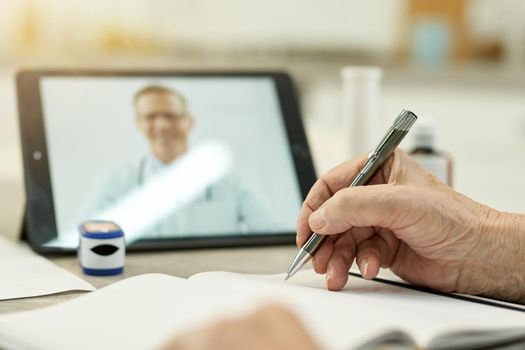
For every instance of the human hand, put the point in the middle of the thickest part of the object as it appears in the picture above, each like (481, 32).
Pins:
(408, 221)
(270, 327)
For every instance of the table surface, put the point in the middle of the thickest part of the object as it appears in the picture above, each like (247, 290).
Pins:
(182, 263)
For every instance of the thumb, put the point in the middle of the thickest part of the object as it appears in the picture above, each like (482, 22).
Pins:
(361, 206)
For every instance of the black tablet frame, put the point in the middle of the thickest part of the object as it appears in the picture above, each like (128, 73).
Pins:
(40, 223)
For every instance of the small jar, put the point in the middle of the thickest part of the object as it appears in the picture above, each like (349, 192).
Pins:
(425, 153)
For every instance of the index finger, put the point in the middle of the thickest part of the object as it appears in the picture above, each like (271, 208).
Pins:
(324, 188)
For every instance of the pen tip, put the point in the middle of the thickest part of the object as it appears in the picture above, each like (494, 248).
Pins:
(286, 278)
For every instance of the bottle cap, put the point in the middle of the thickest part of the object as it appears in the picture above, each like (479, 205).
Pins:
(362, 72)
(425, 133)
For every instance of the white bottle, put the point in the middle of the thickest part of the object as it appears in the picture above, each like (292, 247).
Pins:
(361, 97)
(425, 153)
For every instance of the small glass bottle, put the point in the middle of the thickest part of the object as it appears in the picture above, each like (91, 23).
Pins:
(425, 153)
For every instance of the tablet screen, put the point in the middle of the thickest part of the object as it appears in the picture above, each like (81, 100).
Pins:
(111, 136)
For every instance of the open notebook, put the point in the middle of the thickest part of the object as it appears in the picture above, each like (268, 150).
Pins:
(144, 312)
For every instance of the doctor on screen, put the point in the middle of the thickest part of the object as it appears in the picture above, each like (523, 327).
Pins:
(162, 116)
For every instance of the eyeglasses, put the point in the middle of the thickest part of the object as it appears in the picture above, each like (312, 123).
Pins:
(170, 117)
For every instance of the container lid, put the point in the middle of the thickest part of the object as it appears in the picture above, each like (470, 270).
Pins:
(100, 229)
(424, 132)
(361, 72)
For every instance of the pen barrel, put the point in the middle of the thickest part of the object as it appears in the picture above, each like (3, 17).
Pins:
(386, 147)
(314, 243)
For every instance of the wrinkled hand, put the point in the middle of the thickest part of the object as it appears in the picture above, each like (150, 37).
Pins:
(269, 328)
(406, 220)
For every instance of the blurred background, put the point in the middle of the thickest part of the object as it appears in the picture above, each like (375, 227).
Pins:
(461, 62)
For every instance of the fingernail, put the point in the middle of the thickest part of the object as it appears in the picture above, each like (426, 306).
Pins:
(317, 219)
(328, 275)
(363, 267)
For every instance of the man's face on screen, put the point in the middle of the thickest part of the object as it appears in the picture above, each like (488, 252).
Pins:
(165, 122)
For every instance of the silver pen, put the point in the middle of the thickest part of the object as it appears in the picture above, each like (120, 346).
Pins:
(376, 158)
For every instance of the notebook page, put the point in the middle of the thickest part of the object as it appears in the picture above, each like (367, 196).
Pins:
(25, 274)
(141, 312)
(388, 275)
(368, 307)
(325, 314)
(144, 312)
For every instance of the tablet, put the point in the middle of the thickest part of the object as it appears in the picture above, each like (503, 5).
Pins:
(99, 145)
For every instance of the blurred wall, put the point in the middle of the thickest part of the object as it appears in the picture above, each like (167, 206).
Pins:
(85, 28)
(84, 25)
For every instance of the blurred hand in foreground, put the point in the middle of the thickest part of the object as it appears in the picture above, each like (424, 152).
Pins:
(271, 327)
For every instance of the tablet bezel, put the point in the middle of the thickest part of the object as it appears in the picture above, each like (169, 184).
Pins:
(40, 222)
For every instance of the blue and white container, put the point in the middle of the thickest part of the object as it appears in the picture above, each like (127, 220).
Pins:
(102, 248)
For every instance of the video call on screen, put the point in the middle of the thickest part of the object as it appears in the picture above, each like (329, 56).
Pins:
(109, 138)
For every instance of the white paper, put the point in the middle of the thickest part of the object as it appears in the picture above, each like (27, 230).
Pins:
(367, 308)
(144, 312)
(141, 312)
(25, 274)
(388, 275)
